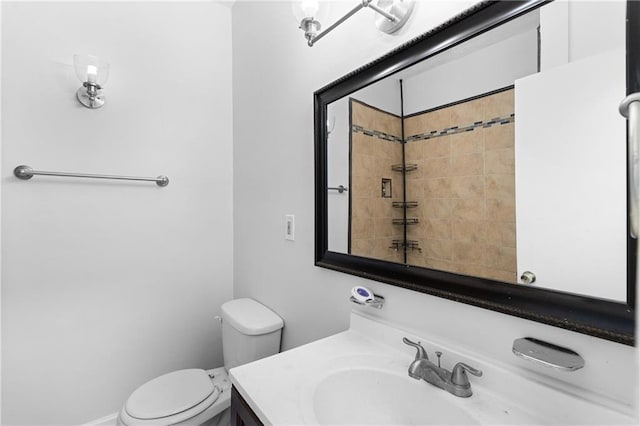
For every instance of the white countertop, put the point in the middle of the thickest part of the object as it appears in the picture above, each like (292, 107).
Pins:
(281, 389)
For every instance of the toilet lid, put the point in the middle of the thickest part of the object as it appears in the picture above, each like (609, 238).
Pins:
(170, 394)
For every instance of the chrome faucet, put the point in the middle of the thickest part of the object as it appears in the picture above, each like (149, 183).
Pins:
(455, 382)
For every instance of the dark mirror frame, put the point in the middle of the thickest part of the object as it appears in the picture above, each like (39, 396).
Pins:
(605, 319)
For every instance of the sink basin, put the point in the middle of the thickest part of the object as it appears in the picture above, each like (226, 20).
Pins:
(379, 397)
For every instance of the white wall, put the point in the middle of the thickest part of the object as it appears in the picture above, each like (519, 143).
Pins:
(1, 7)
(573, 30)
(108, 284)
(489, 62)
(338, 174)
(384, 95)
(273, 141)
(275, 76)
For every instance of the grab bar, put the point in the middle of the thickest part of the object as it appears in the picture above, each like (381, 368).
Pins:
(339, 188)
(26, 172)
(630, 109)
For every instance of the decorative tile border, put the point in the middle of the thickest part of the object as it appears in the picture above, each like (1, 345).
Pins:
(380, 135)
(436, 133)
(457, 129)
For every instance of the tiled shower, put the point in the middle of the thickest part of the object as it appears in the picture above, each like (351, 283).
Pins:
(454, 193)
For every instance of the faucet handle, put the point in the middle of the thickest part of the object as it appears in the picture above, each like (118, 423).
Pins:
(458, 375)
(421, 353)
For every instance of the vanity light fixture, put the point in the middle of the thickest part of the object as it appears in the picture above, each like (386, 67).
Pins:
(392, 15)
(93, 73)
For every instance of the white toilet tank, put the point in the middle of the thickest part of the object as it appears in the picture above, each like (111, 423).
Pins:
(250, 331)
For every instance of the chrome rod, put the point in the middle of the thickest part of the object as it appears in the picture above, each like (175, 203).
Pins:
(338, 22)
(339, 188)
(634, 135)
(382, 12)
(26, 172)
(630, 108)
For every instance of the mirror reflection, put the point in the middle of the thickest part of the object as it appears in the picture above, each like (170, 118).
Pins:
(501, 158)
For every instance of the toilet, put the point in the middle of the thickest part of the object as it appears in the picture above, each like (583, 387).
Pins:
(250, 331)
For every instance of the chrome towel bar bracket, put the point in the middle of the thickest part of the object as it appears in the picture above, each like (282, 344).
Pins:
(26, 172)
(339, 188)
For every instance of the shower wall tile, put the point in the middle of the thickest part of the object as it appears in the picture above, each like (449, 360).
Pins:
(470, 142)
(467, 190)
(363, 187)
(364, 165)
(467, 113)
(438, 147)
(501, 258)
(500, 161)
(363, 246)
(382, 208)
(437, 188)
(471, 269)
(375, 148)
(437, 208)
(469, 253)
(500, 186)
(384, 228)
(498, 105)
(437, 228)
(501, 234)
(502, 209)
(385, 252)
(468, 208)
(465, 165)
(361, 227)
(474, 231)
(435, 167)
(375, 120)
(439, 249)
(414, 150)
(364, 208)
(497, 137)
(495, 274)
(435, 121)
(464, 186)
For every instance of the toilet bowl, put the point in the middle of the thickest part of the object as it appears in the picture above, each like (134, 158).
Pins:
(250, 331)
(192, 396)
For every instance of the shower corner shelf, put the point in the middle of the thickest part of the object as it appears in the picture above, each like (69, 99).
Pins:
(404, 167)
(404, 204)
(407, 221)
(407, 245)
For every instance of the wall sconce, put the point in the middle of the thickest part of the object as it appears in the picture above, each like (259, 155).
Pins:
(393, 15)
(331, 124)
(93, 73)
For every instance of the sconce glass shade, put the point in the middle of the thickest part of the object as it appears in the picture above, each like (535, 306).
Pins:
(309, 14)
(93, 73)
(305, 9)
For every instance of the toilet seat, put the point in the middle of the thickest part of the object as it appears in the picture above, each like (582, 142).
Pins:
(179, 396)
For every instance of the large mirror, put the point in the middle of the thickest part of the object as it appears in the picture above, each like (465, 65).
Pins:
(486, 162)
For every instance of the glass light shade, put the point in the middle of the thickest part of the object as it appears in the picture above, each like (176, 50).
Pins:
(309, 7)
(91, 69)
(302, 9)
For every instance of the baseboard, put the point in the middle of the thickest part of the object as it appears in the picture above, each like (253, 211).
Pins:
(109, 420)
